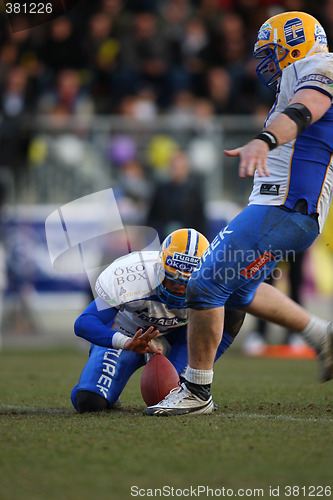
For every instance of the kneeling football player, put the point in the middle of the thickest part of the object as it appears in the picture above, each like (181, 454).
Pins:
(140, 310)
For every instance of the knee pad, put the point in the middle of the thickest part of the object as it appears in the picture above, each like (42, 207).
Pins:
(90, 401)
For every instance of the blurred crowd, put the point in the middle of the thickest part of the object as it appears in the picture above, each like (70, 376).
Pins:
(185, 59)
(141, 57)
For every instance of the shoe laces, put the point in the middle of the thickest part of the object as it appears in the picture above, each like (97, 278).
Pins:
(173, 396)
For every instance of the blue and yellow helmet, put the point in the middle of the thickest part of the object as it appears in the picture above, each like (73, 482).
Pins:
(179, 255)
(284, 39)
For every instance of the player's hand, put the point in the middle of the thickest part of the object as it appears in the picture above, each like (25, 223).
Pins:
(141, 344)
(253, 156)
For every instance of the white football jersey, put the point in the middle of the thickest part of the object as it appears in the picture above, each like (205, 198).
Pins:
(302, 168)
(129, 285)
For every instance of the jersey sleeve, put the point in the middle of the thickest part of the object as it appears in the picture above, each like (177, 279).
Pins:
(316, 72)
(127, 279)
(95, 324)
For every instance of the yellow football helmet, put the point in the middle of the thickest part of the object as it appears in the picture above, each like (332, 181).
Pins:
(284, 39)
(179, 255)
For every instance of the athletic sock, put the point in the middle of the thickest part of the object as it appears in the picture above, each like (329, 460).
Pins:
(315, 331)
(200, 377)
(199, 381)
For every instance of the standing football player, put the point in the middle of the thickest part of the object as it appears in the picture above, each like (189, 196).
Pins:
(140, 310)
(291, 160)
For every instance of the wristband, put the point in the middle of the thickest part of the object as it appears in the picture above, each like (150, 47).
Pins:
(269, 138)
(118, 340)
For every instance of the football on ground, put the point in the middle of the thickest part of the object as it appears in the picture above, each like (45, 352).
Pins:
(159, 376)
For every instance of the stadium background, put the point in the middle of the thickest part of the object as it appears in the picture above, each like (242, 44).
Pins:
(100, 98)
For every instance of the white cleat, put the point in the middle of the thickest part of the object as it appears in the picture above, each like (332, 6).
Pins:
(180, 401)
(325, 356)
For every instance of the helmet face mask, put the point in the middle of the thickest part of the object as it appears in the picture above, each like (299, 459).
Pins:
(170, 299)
(179, 255)
(268, 70)
(284, 39)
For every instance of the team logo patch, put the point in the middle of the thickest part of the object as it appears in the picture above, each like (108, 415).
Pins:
(320, 35)
(316, 77)
(264, 34)
(254, 267)
(182, 262)
(271, 189)
(266, 26)
(294, 32)
(101, 292)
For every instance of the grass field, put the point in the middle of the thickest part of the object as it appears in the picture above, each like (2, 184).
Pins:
(274, 429)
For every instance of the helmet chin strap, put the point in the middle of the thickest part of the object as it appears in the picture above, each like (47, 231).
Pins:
(314, 48)
(275, 37)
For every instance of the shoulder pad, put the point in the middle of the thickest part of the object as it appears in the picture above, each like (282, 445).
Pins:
(316, 72)
(128, 278)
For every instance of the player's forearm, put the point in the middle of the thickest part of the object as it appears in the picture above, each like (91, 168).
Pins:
(93, 325)
(285, 128)
(90, 328)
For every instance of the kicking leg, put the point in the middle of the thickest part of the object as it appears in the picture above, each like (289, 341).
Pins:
(206, 345)
(272, 305)
(204, 336)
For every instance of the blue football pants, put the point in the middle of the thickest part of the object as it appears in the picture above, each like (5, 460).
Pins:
(244, 253)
